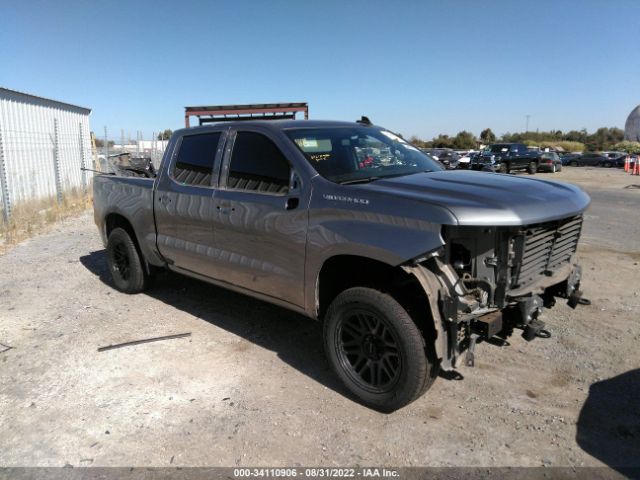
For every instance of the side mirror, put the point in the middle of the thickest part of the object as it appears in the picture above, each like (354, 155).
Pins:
(294, 182)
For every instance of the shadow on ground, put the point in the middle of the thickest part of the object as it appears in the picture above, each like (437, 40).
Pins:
(296, 339)
(609, 423)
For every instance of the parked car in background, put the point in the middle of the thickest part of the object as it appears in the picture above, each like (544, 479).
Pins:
(588, 159)
(567, 157)
(481, 163)
(507, 157)
(549, 162)
(615, 159)
(446, 156)
(465, 160)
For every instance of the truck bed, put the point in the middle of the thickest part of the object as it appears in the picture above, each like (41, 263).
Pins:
(131, 197)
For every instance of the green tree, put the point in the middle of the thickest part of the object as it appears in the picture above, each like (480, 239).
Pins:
(576, 136)
(100, 143)
(442, 141)
(418, 142)
(487, 136)
(629, 147)
(464, 140)
(166, 135)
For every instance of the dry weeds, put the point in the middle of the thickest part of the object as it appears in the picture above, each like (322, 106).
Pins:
(36, 216)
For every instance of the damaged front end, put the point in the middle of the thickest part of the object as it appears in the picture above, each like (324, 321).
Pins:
(487, 281)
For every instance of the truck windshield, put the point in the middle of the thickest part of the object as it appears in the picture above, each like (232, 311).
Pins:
(499, 148)
(354, 154)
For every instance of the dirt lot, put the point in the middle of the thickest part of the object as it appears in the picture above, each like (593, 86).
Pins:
(251, 386)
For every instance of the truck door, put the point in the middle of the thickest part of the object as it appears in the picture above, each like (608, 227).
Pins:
(260, 217)
(183, 202)
(518, 156)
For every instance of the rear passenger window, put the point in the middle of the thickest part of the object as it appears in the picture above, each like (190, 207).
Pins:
(194, 164)
(258, 165)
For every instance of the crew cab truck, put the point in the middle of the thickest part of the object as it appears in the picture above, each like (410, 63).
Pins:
(508, 157)
(407, 265)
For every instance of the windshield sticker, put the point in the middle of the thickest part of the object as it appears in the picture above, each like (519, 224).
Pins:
(309, 143)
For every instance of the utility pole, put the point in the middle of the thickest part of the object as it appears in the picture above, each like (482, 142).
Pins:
(527, 125)
(105, 147)
(122, 140)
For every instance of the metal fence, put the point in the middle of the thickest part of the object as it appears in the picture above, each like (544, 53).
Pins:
(39, 162)
(111, 145)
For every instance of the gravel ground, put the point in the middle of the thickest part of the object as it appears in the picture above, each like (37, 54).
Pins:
(251, 385)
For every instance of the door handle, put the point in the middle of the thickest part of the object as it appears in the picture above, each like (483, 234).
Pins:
(164, 199)
(292, 203)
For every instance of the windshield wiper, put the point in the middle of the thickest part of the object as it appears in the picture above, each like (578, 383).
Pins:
(360, 180)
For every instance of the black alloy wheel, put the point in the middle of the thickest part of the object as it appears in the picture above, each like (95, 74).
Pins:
(368, 350)
(121, 263)
(377, 350)
(125, 262)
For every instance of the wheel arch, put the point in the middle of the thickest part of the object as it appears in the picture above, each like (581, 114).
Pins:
(340, 272)
(115, 220)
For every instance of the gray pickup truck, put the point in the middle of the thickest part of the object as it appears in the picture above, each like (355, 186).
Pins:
(408, 266)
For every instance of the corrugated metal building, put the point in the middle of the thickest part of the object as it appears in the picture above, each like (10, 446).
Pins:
(43, 145)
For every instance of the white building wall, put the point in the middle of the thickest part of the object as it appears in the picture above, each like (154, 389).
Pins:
(29, 142)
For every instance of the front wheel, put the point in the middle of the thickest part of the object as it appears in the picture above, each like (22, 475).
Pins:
(532, 168)
(125, 264)
(574, 164)
(504, 168)
(376, 349)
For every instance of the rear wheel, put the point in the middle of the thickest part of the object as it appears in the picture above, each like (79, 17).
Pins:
(532, 168)
(553, 168)
(574, 164)
(607, 164)
(376, 349)
(125, 263)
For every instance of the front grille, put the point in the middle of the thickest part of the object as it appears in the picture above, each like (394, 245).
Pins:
(546, 247)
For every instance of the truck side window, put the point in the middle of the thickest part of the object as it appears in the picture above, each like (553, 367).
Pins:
(258, 165)
(194, 164)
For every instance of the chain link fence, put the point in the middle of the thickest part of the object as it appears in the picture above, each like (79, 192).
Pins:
(47, 164)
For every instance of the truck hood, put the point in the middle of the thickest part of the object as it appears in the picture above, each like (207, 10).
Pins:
(488, 199)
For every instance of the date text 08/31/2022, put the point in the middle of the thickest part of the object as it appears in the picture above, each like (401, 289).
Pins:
(315, 472)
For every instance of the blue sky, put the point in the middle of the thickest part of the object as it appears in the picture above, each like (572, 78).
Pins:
(419, 68)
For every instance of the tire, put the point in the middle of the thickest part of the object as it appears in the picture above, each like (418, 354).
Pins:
(574, 164)
(125, 263)
(532, 168)
(376, 349)
(553, 168)
(504, 168)
(607, 164)
(560, 167)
